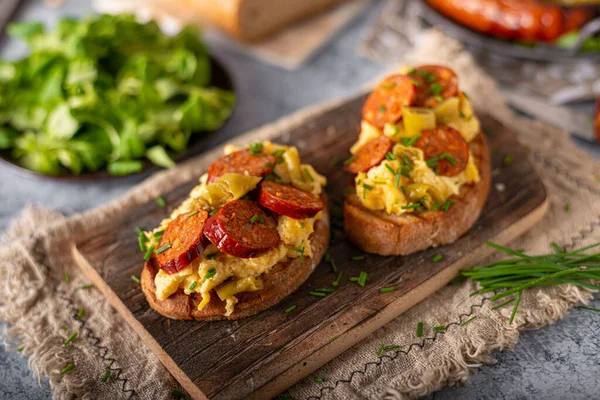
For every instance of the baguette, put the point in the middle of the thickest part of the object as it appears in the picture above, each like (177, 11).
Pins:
(252, 20)
(390, 234)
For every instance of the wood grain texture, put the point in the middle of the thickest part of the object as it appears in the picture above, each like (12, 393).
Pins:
(262, 355)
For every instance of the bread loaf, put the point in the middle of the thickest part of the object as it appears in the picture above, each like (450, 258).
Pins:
(252, 20)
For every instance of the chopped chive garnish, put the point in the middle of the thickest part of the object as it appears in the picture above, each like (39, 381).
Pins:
(589, 308)
(67, 369)
(439, 98)
(317, 294)
(213, 212)
(268, 164)
(411, 71)
(70, 338)
(349, 160)
(211, 272)
(325, 290)
(567, 207)
(435, 206)
(469, 320)
(408, 142)
(447, 204)
(255, 148)
(337, 280)
(163, 248)
(310, 177)
(508, 159)
(354, 279)
(262, 220)
(66, 277)
(362, 278)
(138, 230)
(556, 248)
(390, 169)
(380, 349)
(411, 206)
(387, 289)
(80, 313)
(436, 88)
(253, 218)
(398, 174)
(406, 161)
(437, 258)
(335, 160)
(382, 108)
(358, 258)
(503, 304)
(191, 214)
(20, 349)
(105, 376)
(193, 286)
(461, 114)
(319, 380)
(331, 261)
(160, 201)
(135, 279)
(290, 309)
(333, 339)
(177, 394)
(158, 234)
(379, 182)
(349, 191)
(388, 85)
(420, 329)
(142, 241)
(211, 256)
(367, 187)
(390, 156)
(392, 347)
(415, 82)
(149, 253)
(439, 328)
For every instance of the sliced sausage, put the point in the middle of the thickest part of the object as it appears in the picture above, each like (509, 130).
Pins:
(186, 241)
(288, 200)
(241, 162)
(384, 105)
(445, 150)
(370, 155)
(434, 84)
(242, 229)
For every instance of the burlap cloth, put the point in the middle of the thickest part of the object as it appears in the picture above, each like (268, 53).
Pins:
(36, 302)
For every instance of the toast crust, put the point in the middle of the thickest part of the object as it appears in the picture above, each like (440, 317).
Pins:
(391, 234)
(282, 280)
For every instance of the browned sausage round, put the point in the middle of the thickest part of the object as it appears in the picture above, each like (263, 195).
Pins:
(445, 150)
(384, 105)
(184, 236)
(434, 84)
(370, 155)
(288, 200)
(242, 229)
(241, 162)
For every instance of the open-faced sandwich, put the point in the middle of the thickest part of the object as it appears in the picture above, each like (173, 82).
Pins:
(247, 236)
(422, 165)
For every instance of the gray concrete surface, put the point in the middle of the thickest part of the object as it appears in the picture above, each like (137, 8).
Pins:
(557, 362)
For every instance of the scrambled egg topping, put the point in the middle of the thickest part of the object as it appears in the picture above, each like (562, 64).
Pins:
(227, 275)
(384, 188)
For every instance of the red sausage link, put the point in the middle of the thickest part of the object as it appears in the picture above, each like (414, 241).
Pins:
(526, 20)
(242, 229)
(434, 84)
(445, 150)
(370, 155)
(240, 162)
(184, 235)
(288, 200)
(384, 105)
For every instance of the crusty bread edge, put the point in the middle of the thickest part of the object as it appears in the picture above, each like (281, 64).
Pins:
(379, 233)
(282, 280)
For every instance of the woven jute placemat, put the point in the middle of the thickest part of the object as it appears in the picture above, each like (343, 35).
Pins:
(41, 309)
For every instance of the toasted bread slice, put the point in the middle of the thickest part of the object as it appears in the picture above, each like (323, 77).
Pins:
(279, 282)
(391, 234)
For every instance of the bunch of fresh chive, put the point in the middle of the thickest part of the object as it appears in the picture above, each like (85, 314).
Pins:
(512, 276)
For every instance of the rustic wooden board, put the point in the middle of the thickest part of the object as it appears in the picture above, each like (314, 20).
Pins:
(263, 355)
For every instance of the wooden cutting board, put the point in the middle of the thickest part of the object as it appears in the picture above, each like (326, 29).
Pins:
(261, 356)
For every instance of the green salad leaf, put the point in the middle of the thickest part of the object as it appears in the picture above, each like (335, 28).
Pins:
(106, 92)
